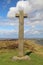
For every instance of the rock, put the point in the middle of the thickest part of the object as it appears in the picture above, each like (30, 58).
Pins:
(21, 58)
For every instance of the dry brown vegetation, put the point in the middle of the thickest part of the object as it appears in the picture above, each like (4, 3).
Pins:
(11, 44)
(28, 44)
(34, 47)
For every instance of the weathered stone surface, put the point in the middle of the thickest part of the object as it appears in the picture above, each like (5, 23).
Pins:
(21, 33)
(21, 58)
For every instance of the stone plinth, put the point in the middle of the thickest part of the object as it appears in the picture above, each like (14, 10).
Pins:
(21, 58)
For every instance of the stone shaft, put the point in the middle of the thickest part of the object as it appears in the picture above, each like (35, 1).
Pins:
(21, 16)
(21, 33)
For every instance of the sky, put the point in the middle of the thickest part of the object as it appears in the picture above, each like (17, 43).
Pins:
(33, 24)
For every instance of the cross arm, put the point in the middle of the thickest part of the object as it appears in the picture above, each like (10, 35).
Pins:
(25, 15)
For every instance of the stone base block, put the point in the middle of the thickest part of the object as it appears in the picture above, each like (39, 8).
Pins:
(21, 58)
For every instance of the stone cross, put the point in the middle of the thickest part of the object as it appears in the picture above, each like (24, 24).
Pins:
(21, 16)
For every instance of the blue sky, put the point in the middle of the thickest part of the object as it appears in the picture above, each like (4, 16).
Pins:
(33, 25)
(5, 5)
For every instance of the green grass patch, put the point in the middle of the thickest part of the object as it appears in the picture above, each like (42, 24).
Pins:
(5, 59)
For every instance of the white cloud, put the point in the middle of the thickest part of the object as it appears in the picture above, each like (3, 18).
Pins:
(24, 5)
(20, 5)
(12, 12)
(38, 16)
(8, 32)
(33, 24)
(36, 4)
(32, 31)
(9, 24)
(36, 32)
(35, 10)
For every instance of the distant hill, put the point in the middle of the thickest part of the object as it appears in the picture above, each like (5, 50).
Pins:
(37, 40)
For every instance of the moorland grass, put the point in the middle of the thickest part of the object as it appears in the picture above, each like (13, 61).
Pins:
(6, 58)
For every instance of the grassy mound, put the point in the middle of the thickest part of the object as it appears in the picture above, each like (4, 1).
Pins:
(9, 48)
(5, 58)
